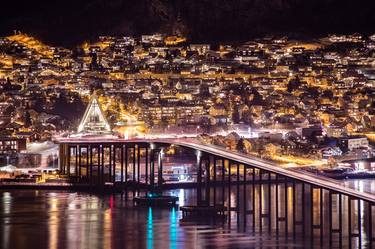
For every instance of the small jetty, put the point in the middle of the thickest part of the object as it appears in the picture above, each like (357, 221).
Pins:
(152, 199)
(203, 211)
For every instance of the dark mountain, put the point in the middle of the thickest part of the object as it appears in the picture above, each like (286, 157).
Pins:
(70, 22)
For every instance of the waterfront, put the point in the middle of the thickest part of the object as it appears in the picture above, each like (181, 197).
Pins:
(57, 219)
(363, 185)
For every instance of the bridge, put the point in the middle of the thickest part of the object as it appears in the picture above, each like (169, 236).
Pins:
(267, 196)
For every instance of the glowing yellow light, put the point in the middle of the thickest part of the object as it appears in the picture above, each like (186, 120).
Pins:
(31, 43)
(174, 40)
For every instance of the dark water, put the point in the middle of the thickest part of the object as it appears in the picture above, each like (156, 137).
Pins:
(52, 219)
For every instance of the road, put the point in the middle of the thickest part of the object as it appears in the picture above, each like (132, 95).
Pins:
(259, 163)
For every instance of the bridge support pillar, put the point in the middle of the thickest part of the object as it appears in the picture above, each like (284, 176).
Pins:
(134, 169)
(229, 191)
(214, 179)
(87, 162)
(286, 206)
(61, 158)
(238, 194)
(260, 202)
(79, 162)
(122, 164)
(98, 166)
(69, 159)
(152, 168)
(76, 162)
(146, 165)
(114, 164)
(90, 165)
(370, 236)
(359, 221)
(222, 181)
(350, 221)
(160, 168)
(253, 199)
(303, 222)
(126, 164)
(207, 181)
(110, 163)
(102, 180)
(199, 178)
(138, 163)
(269, 210)
(244, 197)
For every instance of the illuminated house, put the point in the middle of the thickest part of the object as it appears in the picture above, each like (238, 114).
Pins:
(94, 121)
(12, 144)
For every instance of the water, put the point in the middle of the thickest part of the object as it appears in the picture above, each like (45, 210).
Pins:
(57, 219)
(363, 185)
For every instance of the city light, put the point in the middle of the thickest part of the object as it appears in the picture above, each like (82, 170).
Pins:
(227, 126)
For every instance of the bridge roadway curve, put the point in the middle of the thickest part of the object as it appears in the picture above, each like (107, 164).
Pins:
(259, 163)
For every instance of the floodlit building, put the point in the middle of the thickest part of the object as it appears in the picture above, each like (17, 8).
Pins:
(93, 121)
(12, 144)
(353, 142)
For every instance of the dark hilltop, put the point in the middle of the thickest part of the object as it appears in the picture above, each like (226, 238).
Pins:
(70, 22)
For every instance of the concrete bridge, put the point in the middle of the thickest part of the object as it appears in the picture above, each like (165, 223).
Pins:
(276, 199)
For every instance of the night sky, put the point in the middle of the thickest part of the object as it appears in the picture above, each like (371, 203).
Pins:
(70, 22)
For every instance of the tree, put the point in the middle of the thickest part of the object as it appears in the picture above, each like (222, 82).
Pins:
(164, 122)
(27, 119)
(94, 61)
(328, 94)
(247, 118)
(8, 86)
(204, 90)
(205, 124)
(257, 98)
(39, 104)
(294, 84)
(156, 89)
(313, 92)
(240, 147)
(236, 115)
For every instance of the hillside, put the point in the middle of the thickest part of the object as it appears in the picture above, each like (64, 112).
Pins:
(71, 22)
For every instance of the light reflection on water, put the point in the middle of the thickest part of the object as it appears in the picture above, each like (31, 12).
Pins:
(150, 232)
(6, 209)
(173, 229)
(51, 219)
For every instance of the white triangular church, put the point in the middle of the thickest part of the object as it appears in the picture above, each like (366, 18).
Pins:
(93, 121)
